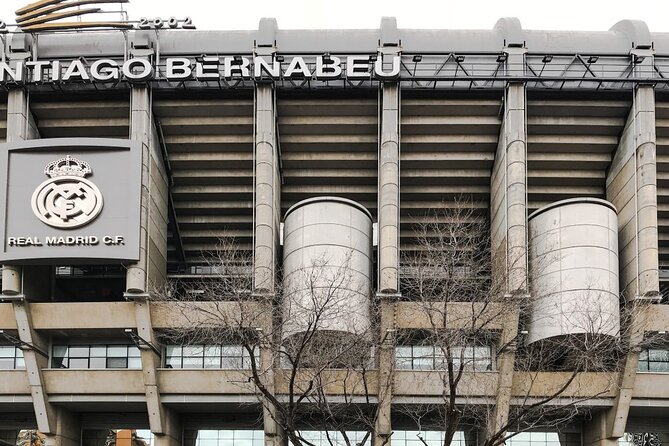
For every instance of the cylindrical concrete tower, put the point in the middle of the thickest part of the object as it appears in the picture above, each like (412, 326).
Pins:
(327, 258)
(574, 269)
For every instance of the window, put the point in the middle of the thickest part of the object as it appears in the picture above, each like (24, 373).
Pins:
(226, 437)
(335, 438)
(545, 439)
(209, 357)
(431, 438)
(654, 361)
(96, 356)
(11, 358)
(421, 357)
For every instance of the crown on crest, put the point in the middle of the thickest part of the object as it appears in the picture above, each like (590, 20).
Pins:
(68, 167)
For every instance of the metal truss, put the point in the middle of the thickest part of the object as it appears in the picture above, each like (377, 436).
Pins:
(451, 71)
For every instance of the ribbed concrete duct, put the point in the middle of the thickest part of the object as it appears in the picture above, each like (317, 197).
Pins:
(327, 258)
(574, 269)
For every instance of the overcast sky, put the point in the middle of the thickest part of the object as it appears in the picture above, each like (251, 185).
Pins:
(594, 15)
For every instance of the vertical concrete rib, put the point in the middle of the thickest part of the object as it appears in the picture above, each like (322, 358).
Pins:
(267, 193)
(28, 283)
(20, 127)
(388, 229)
(267, 218)
(140, 130)
(509, 193)
(150, 270)
(508, 203)
(631, 185)
(389, 189)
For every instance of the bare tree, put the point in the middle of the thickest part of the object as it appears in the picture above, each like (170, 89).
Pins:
(468, 313)
(309, 345)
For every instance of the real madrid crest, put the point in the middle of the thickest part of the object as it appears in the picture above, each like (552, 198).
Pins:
(67, 200)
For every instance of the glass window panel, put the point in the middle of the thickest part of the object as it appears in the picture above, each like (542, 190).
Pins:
(134, 363)
(192, 363)
(98, 351)
(423, 363)
(19, 353)
(78, 363)
(207, 442)
(643, 366)
(227, 433)
(421, 351)
(482, 352)
(174, 362)
(7, 351)
(133, 352)
(403, 352)
(117, 351)
(78, 351)
(403, 364)
(60, 351)
(212, 350)
(207, 434)
(643, 355)
(173, 350)
(20, 363)
(98, 363)
(117, 363)
(231, 363)
(192, 350)
(212, 363)
(658, 355)
(659, 367)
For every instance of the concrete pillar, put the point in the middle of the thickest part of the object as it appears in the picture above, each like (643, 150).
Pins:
(140, 130)
(151, 269)
(267, 193)
(172, 436)
(383, 428)
(35, 361)
(509, 194)
(595, 431)
(389, 190)
(508, 203)
(67, 430)
(631, 186)
(150, 364)
(20, 127)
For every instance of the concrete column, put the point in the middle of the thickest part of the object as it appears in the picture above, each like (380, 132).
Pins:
(140, 130)
(267, 193)
(172, 436)
(389, 190)
(383, 428)
(267, 220)
(595, 432)
(509, 194)
(631, 186)
(20, 127)
(508, 203)
(45, 413)
(150, 364)
(505, 368)
(67, 430)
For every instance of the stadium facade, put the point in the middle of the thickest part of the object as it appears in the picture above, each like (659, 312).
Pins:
(130, 153)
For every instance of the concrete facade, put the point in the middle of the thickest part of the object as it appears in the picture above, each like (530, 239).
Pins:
(225, 159)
